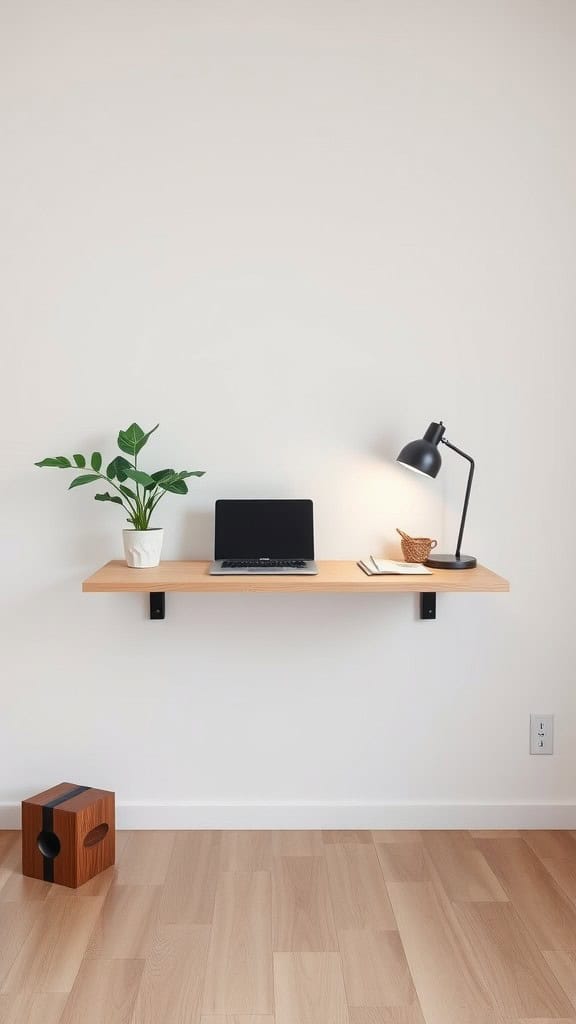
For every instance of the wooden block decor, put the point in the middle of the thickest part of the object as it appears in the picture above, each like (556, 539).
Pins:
(68, 834)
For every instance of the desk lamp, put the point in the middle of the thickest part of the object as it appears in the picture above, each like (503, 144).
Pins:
(423, 456)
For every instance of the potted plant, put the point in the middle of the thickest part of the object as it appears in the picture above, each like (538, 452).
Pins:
(142, 543)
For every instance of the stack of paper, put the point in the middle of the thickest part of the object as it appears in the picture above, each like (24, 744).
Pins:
(387, 567)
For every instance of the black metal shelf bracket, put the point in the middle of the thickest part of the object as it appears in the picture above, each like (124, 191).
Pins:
(158, 605)
(427, 606)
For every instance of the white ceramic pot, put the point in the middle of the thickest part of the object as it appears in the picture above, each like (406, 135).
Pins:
(142, 547)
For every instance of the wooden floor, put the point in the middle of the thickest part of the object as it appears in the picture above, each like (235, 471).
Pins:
(298, 928)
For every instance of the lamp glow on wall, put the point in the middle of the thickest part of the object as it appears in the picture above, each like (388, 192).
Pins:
(423, 456)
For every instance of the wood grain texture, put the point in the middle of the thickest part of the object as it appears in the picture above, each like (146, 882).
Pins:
(173, 978)
(412, 928)
(357, 887)
(464, 873)
(403, 862)
(386, 1015)
(448, 987)
(297, 843)
(386, 835)
(509, 963)
(16, 922)
(237, 1018)
(126, 923)
(50, 958)
(309, 989)
(562, 963)
(376, 973)
(333, 577)
(189, 889)
(545, 910)
(347, 836)
(73, 822)
(145, 859)
(32, 1008)
(302, 917)
(104, 990)
(239, 969)
(246, 851)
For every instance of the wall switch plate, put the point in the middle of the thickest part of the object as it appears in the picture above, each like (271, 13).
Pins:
(541, 734)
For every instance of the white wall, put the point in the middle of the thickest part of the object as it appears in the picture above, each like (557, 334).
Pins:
(293, 233)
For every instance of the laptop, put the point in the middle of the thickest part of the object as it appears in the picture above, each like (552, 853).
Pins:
(264, 537)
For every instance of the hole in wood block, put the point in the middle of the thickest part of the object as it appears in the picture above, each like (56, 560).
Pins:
(96, 835)
(48, 844)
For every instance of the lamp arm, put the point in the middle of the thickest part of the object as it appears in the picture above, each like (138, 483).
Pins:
(468, 489)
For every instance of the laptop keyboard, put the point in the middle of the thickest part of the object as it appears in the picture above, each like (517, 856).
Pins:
(263, 563)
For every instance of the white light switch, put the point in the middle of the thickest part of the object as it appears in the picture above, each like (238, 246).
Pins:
(541, 734)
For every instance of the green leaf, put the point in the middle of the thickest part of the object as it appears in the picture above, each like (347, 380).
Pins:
(138, 476)
(158, 475)
(59, 461)
(174, 484)
(87, 479)
(117, 468)
(128, 492)
(108, 497)
(96, 462)
(80, 461)
(133, 439)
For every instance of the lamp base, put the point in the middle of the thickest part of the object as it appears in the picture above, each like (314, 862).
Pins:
(451, 562)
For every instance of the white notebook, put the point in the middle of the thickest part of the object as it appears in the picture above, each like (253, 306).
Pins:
(387, 567)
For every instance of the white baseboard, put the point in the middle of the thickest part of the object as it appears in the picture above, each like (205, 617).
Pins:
(140, 815)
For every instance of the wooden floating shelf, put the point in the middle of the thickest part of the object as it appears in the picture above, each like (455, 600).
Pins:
(332, 578)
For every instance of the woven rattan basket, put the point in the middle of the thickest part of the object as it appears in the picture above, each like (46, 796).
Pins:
(416, 549)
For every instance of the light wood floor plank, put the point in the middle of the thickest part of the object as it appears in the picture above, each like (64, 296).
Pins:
(126, 924)
(386, 835)
(32, 1008)
(145, 858)
(96, 888)
(562, 963)
(104, 991)
(302, 916)
(481, 930)
(18, 888)
(346, 836)
(172, 983)
(495, 833)
(376, 972)
(357, 887)
(555, 844)
(448, 988)
(403, 862)
(309, 989)
(10, 856)
(463, 871)
(509, 963)
(297, 843)
(190, 888)
(16, 923)
(237, 1018)
(386, 1015)
(247, 850)
(564, 874)
(545, 910)
(239, 970)
(50, 957)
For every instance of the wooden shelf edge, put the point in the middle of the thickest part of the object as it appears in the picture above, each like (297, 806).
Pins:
(334, 577)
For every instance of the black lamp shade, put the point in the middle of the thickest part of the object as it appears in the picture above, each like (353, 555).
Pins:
(423, 455)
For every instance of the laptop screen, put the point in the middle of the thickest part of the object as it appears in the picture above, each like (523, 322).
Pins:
(274, 528)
